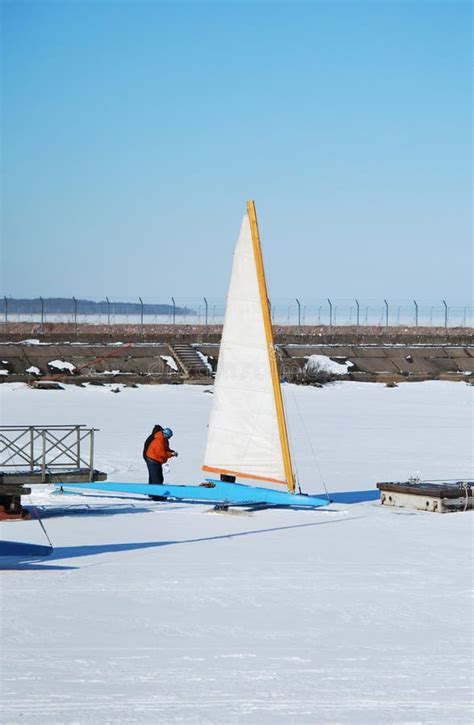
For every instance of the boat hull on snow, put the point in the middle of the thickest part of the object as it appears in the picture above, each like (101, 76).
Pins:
(219, 492)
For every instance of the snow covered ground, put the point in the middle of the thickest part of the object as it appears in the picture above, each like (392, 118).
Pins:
(164, 613)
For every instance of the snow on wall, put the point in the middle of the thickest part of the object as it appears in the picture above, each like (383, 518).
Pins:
(61, 365)
(322, 362)
(170, 361)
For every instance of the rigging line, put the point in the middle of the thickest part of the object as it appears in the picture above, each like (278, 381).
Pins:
(42, 526)
(310, 444)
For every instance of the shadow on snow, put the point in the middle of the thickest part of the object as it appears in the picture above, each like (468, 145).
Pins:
(73, 552)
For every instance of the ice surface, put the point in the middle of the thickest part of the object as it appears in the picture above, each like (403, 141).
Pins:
(162, 613)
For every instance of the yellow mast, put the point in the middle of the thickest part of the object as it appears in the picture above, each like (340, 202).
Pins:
(262, 286)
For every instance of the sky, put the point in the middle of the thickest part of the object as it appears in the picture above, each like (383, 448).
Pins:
(133, 133)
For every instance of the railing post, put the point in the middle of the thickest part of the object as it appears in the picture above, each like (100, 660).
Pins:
(141, 314)
(330, 312)
(78, 446)
(174, 310)
(108, 312)
(445, 314)
(6, 311)
(207, 309)
(358, 312)
(43, 457)
(416, 312)
(91, 455)
(32, 448)
(386, 313)
(42, 313)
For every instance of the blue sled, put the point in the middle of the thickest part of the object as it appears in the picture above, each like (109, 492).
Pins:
(220, 492)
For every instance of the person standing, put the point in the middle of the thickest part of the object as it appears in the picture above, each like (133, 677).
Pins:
(157, 451)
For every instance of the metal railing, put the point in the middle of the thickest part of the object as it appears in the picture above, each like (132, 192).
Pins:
(42, 448)
(207, 310)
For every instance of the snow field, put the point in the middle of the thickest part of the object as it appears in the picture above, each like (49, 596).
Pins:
(164, 613)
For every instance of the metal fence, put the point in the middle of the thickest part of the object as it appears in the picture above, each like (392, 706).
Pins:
(210, 311)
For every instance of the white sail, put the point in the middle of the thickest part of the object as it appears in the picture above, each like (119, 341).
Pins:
(245, 430)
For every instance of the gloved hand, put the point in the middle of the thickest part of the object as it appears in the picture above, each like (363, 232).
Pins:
(175, 454)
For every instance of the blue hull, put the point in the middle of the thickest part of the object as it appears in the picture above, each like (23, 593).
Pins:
(221, 492)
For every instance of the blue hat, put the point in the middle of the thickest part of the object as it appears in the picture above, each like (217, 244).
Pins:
(167, 432)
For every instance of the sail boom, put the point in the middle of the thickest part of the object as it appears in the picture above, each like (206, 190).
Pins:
(239, 474)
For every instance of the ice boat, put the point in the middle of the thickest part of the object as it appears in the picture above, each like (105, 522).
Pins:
(247, 436)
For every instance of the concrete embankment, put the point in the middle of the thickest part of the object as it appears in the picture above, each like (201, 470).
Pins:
(175, 354)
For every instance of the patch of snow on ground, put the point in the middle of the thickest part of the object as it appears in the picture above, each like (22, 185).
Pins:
(170, 361)
(3, 371)
(61, 365)
(162, 613)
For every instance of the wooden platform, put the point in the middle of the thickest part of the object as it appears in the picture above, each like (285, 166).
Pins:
(442, 497)
(12, 486)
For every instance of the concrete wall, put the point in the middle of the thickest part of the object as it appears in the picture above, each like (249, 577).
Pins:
(138, 362)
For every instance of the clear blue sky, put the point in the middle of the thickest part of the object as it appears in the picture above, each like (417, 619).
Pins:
(134, 132)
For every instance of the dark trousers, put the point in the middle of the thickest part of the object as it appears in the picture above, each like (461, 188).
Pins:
(155, 471)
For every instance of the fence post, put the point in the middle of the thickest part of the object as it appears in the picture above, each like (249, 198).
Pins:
(42, 313)
(174, 310)
(416, 312)
(386, 313)
(299, 313)
(330, 312)
(207, 308)
(358, 312)
(108, 312)
(445, 314)
(141, 315)
(6, 311)
(75, 314)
